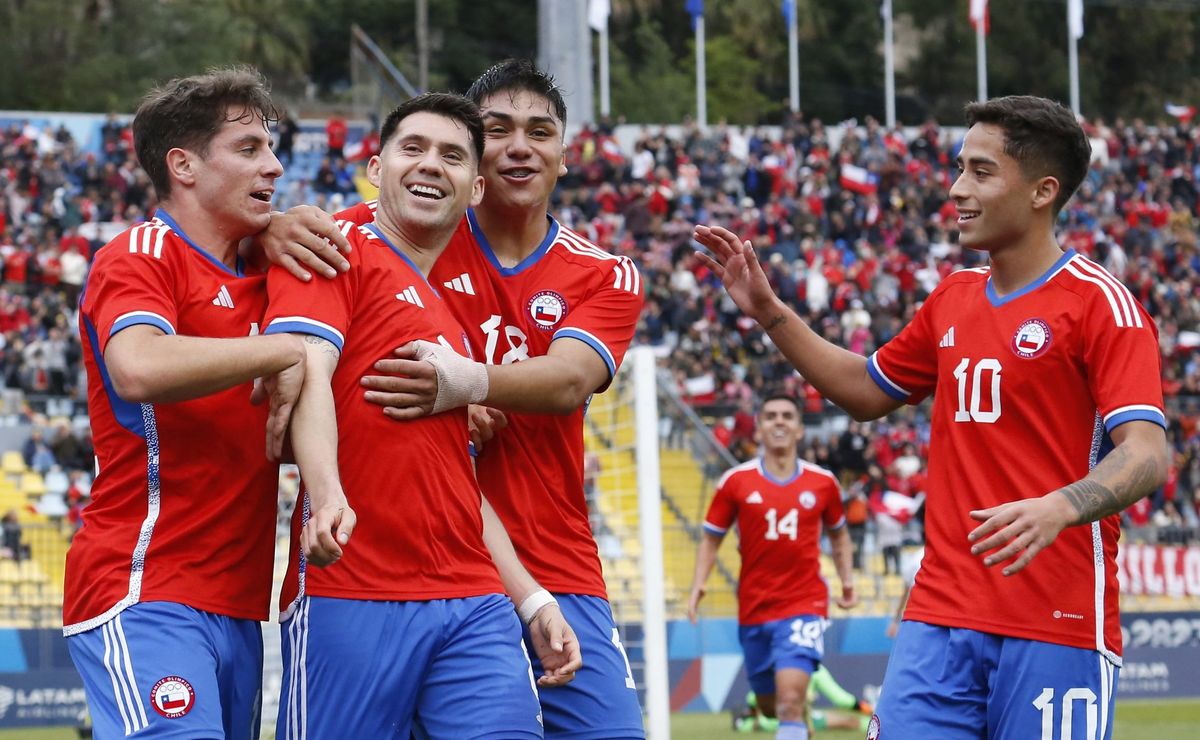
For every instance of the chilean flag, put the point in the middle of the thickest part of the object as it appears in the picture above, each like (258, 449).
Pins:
(173, 700)
(858, 180)
(1182, 112)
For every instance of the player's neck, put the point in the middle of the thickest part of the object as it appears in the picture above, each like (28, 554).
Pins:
(513, 234)
(422, 246)
(1019, 265)
(219, 239)
(780, 465)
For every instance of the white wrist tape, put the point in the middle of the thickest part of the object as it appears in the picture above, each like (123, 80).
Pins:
(533, 603)
(460, 381)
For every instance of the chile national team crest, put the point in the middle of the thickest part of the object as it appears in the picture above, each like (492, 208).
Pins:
(547, 309)
(172, 697)
(1032, 339)
(808, 499)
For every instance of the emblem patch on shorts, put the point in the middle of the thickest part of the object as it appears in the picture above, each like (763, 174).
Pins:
(1032, 339)
(547, 309)
(873, 728)
(172, 697)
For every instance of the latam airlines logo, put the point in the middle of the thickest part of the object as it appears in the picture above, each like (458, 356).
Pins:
(547, 309)
(1032, 339)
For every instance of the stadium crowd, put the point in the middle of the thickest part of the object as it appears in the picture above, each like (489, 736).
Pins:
(854, 224)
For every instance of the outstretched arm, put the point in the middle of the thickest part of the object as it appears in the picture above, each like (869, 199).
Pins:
(426, 378)
(706, 558)
(1136, 466)
(553, 639)
(149, 366)
(839, 374)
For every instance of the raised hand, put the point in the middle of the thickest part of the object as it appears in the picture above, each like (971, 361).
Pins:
(736, 263)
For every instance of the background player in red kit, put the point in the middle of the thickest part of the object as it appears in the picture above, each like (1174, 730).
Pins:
(781, 505)
(1047, 421)
(551, 314)
(417, 582)
(170, 574)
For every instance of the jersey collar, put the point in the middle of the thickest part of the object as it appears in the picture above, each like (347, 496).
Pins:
(998, 301)
(399, 253)
(762, 468)
(162, 215)
(486, 247)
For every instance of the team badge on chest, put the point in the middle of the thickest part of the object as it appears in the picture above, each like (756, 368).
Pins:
(547, 309)
(1032, 339)
(808, 499)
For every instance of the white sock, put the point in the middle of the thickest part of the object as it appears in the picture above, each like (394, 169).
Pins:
(792, 731)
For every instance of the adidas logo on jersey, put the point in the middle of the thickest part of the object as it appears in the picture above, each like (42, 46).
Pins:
(948, 339)
(409, 295)
(461, 284)
(754, 498)
(223, 299)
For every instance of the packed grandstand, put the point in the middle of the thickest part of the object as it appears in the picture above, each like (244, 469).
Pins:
(853, 222)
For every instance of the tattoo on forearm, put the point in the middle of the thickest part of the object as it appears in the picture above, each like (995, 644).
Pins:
(779, 320)
(1133, 479)
(1091, 500)
(323, 344)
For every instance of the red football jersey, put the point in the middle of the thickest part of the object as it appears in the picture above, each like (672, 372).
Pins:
(1025, 387)
(779, 536)
(183, 508)
(420, 530)
(532, 472)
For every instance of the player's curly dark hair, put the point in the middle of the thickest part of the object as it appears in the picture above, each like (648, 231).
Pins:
(188, 112)
(517, 75)
(454, 107)
(1042, 136)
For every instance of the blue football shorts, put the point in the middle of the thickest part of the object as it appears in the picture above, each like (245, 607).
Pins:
(951, 683)
(602, 700)
(447, 669)
(795, 642)
(165, 670)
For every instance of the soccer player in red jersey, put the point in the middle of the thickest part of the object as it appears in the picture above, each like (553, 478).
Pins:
(1047, 422)
(170, 573)
(417, 581)
(781, 505)
(552, 315)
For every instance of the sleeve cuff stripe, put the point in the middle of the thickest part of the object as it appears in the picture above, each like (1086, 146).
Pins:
(134, 318)
(332, 336)
(884, 382)
(714, 529)
(1136, 413)
(593, 342)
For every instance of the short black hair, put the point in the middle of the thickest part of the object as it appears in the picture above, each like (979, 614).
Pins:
(517, 75)
(781, 397)
(188, 112)
(1042, 136)
(452, 106)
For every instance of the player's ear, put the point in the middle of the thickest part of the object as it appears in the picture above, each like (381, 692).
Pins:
(477, 191)
(562, 164)
(181, 166)
(1045, 191)
(374, 167)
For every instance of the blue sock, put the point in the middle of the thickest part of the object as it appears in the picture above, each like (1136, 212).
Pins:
(792, 731)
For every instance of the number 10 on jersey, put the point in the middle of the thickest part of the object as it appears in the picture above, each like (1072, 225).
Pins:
(981, 385)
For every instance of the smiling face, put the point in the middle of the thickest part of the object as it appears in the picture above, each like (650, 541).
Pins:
(427, 177)
(234, 178)
(779, 427)
(523, 153)
(995, 200)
